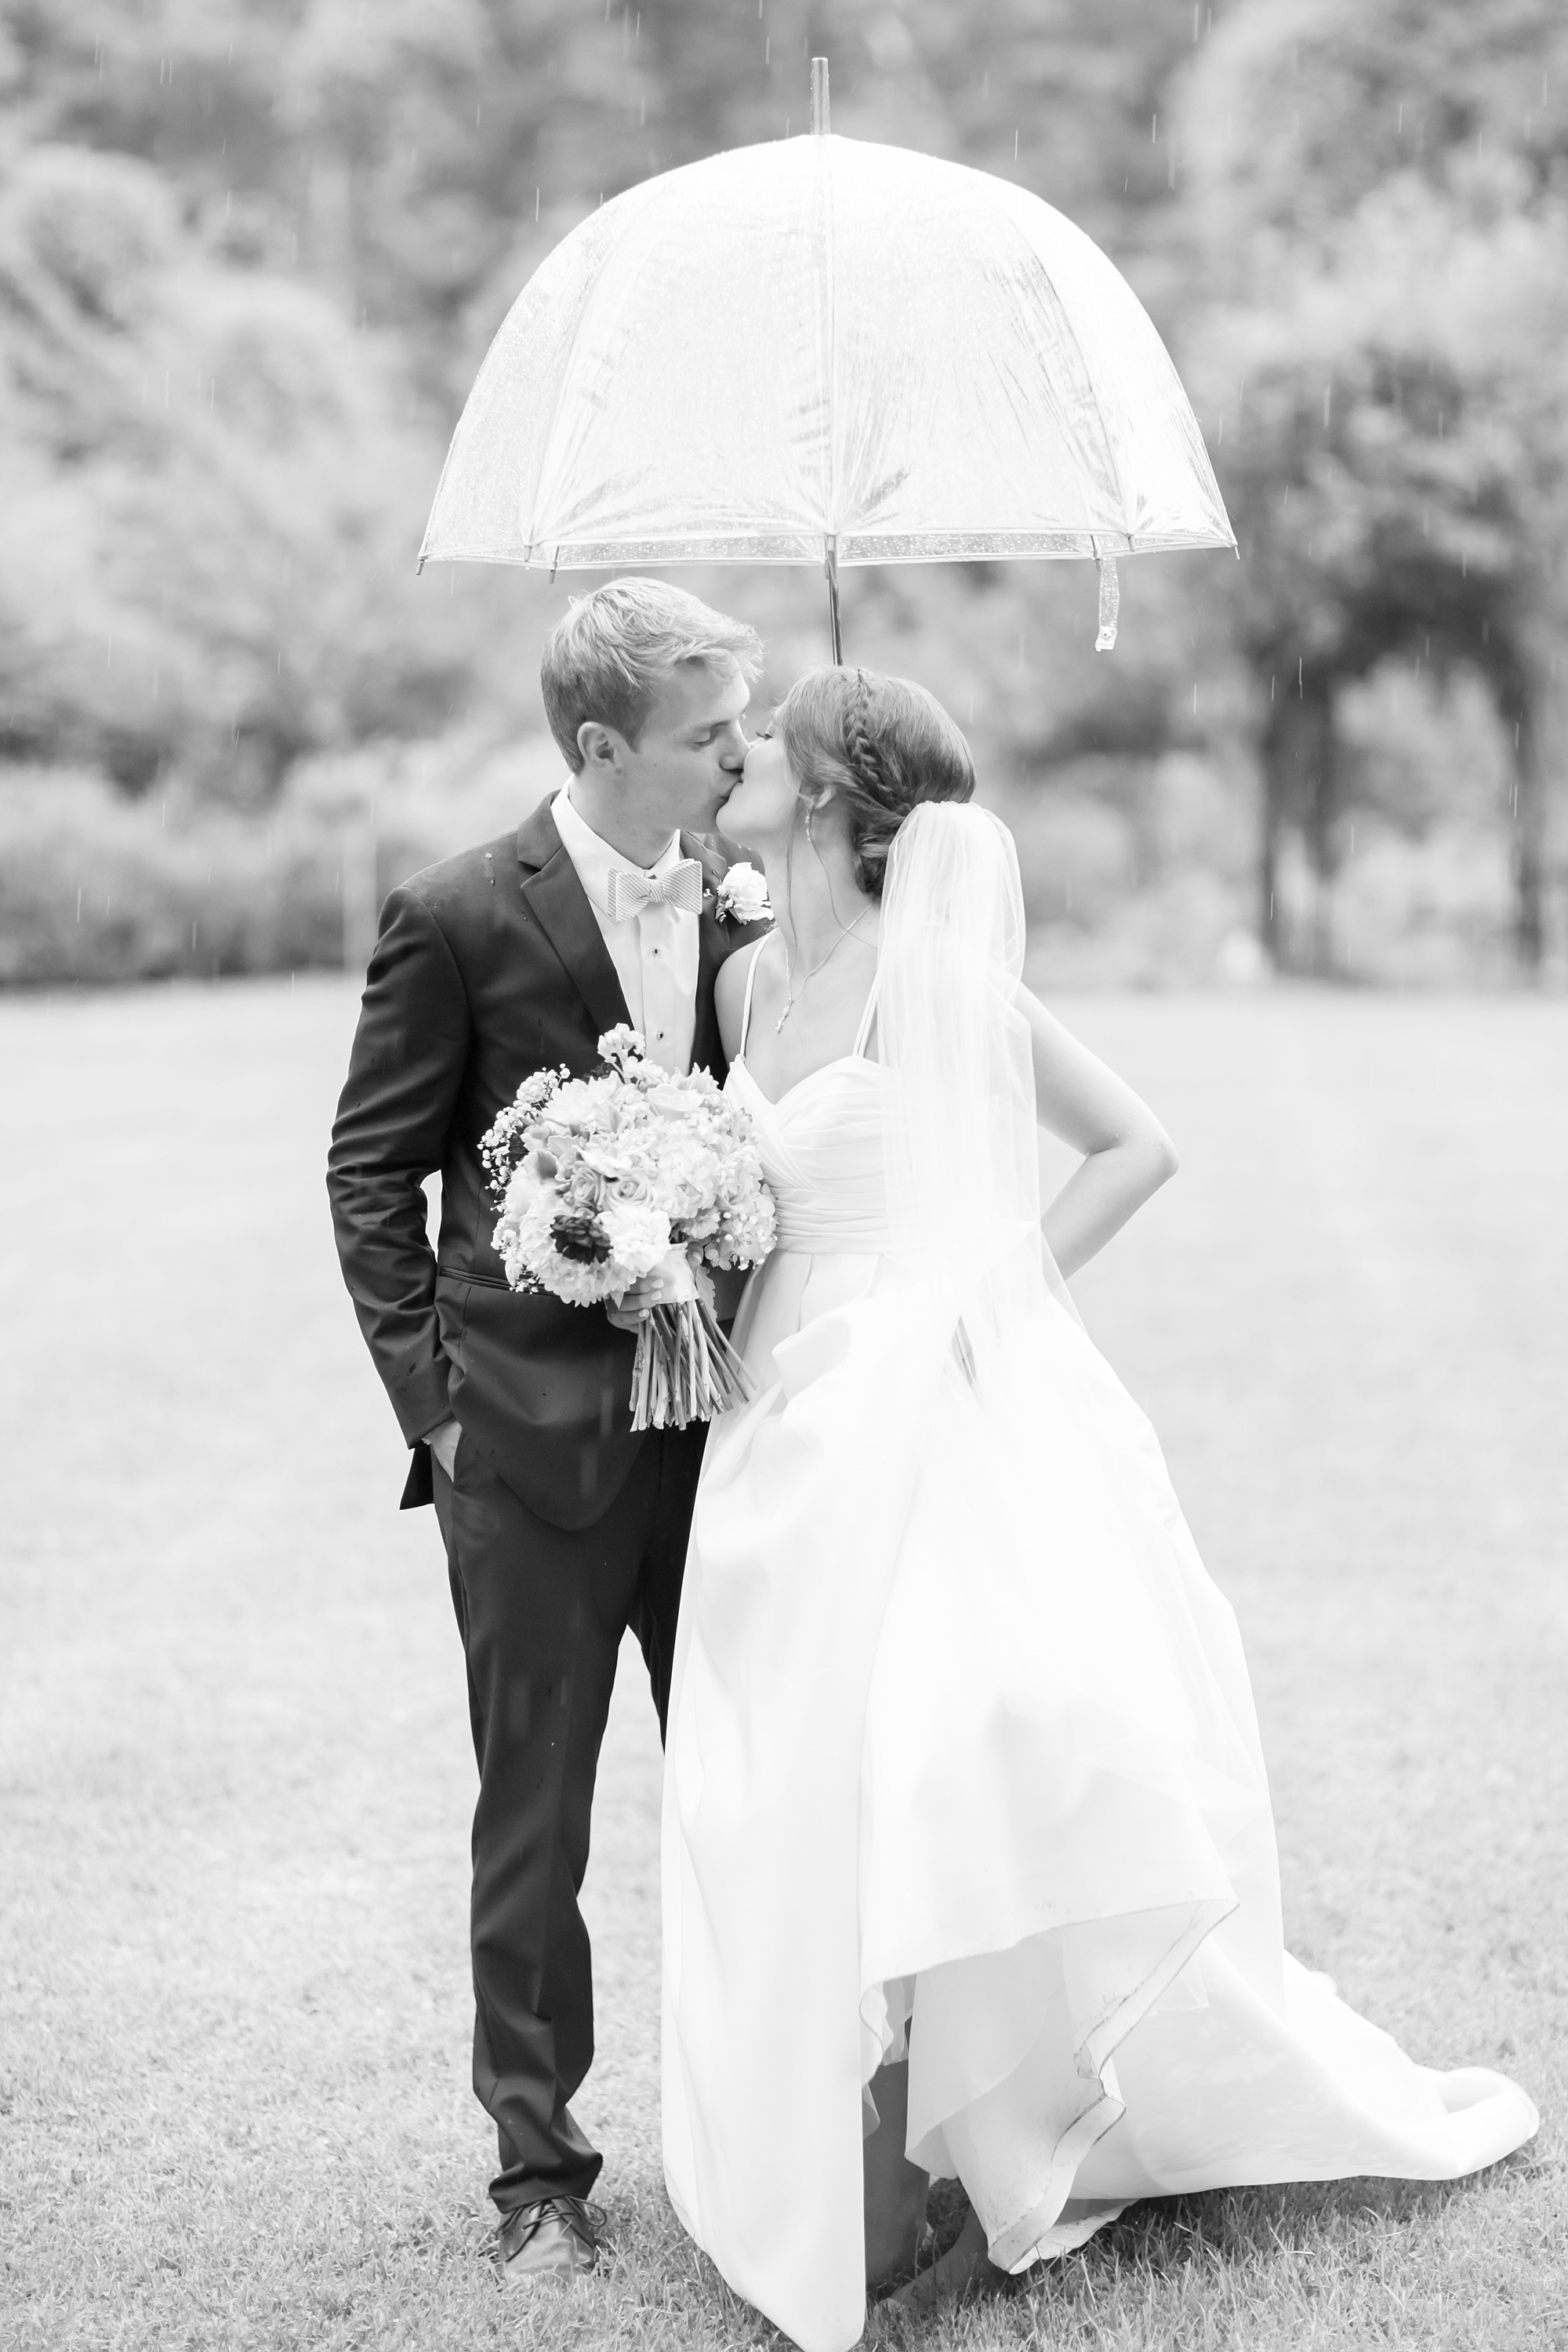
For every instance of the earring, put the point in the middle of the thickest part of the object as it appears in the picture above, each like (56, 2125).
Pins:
(808, 823)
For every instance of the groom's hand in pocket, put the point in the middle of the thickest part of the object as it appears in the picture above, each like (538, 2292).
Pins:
(443, 1444)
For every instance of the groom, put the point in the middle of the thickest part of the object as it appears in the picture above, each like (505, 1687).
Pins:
(562, 1526)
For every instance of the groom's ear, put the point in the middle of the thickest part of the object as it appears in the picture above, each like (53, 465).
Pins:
(598, 745)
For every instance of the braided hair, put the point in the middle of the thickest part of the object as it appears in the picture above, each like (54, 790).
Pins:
(881, 745)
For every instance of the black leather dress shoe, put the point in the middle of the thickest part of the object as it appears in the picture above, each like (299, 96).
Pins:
(554, 2239)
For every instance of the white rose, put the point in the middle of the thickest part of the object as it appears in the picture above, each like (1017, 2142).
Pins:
(743, 896)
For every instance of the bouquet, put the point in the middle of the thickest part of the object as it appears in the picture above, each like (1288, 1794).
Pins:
(599, 1180)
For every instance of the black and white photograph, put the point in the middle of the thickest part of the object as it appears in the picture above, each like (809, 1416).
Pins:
(783, 1074)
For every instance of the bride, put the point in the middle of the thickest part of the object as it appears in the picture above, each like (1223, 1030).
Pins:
(968, 1860)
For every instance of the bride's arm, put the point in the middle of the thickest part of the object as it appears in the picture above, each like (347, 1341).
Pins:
(1127, 1153)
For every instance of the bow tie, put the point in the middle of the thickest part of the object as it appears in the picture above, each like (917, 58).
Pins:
(630, 892)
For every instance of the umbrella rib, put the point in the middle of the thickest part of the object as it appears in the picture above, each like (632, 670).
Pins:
(634, 214)
(1070, 330)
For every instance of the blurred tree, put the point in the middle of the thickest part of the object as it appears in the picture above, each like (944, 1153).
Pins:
(402, 153)
(261, 183)
(250, 257)
(1381, 210)
(213, 513)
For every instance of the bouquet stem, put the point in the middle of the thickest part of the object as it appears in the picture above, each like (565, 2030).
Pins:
(685, 1369)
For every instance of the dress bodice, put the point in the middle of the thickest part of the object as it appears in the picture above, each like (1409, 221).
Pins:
(821, 1146)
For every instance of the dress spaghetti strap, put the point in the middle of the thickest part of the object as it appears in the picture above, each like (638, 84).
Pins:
(867, 1018)
(746, 1000)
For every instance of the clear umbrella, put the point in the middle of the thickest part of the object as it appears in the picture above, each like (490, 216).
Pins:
(822, 351)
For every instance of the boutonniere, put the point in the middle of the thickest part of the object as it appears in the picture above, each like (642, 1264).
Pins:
(742, 897)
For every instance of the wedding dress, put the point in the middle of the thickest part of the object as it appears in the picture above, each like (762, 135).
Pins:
(962, 1758)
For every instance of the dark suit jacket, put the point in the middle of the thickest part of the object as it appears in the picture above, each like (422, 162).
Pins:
(489, 967)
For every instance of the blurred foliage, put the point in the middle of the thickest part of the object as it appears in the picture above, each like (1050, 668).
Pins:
(250, 257)
(1381, 212)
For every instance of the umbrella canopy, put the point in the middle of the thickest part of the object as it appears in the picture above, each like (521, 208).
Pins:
(823, 347)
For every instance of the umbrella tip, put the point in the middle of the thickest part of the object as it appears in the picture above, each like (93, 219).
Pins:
(819, 97)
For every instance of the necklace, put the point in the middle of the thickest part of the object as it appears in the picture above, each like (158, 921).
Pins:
(790, 1000)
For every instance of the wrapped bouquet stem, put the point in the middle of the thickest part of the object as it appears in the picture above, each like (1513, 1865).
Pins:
(601, 1179)
(685, 1369)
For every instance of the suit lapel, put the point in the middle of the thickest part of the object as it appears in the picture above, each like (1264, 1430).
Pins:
(559, 904)
(712, 946)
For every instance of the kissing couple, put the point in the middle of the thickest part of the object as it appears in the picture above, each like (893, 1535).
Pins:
(968, 1862)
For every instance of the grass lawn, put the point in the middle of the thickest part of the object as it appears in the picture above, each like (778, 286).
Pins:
(234, 2007)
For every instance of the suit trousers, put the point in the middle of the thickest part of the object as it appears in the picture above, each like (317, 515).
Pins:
(541, 1611)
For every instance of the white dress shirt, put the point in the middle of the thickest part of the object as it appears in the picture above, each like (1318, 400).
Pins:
(655, 952)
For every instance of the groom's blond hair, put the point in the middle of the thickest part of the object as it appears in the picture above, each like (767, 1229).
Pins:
(611, 651)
